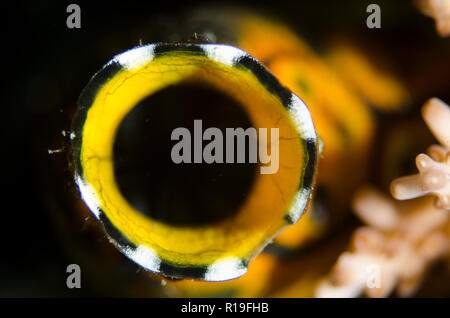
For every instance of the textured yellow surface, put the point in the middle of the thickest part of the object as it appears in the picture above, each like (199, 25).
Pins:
(260, 217)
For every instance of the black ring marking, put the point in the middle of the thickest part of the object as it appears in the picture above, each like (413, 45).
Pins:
(114, 233)
(266, 78)
(168, 269)
(84, 103)
(161, 48)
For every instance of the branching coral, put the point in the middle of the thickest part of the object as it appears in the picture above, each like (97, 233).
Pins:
(395, 248)
(402, 238)
(434, 169)
(439, 10)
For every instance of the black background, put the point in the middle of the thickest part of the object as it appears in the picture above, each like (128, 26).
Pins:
(46, 65)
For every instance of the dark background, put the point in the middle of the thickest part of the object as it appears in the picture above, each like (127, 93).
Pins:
(46, 65)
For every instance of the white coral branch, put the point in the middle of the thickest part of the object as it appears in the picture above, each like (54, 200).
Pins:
(402, 238)
(439, 10)
(434, 169)
(394, 250)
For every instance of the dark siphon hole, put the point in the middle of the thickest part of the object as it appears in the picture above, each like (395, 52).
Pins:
(182, 194)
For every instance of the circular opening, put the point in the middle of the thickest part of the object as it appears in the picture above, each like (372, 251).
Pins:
(184, 194)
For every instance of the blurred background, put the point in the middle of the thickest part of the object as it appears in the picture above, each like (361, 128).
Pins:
(47, 65)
